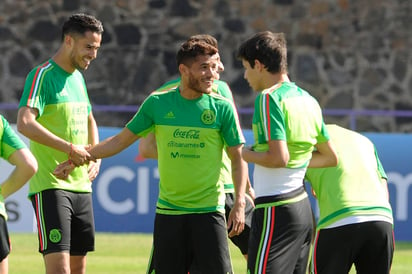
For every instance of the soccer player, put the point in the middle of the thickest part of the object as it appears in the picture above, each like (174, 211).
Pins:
(13, 150)
(148, 149)
(287, 126)
(192, 125)
(355, 225)
(55, 114)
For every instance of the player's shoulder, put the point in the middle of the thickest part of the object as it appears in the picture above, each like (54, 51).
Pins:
(219, 85)
(42, 66)
(223, 89)
(169, 85)
(160, 93)
(47, 69)
(217, 96)
(220, 99)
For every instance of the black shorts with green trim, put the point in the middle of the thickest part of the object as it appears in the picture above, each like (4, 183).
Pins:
(4, 239)
(281, 234)
(65, 221)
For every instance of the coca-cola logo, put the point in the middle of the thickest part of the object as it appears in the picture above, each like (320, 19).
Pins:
(186, 134)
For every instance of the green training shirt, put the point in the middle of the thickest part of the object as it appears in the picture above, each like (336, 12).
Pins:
(63, 104)
(190, 136)
(10, 142)
(222, 88)
(287, 112)
(354, 186)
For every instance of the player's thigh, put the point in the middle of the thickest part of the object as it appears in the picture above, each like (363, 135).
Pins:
(280, 237)
(53, 210)
(4, 239)
(170, 244)
(376, 253)
(333, 250)
(82, 225)
(209, 236)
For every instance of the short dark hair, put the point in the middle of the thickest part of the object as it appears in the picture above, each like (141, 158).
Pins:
(80, 23)
(189, 50)
(268, 48)
(207, 38)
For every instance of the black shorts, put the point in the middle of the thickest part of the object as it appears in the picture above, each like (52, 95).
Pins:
(241, 240)
(191, 242)
(4, 239)
(368, 245)
(281, 235)
(65, 221)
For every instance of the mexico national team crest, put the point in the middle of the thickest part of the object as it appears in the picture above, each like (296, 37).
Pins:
(208, 117)
(55, 236)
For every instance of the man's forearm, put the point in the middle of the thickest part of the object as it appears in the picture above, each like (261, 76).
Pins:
(240, 175)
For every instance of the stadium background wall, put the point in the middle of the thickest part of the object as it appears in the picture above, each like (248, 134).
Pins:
(348, 54)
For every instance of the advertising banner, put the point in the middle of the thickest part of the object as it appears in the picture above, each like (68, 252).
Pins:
(125, 192)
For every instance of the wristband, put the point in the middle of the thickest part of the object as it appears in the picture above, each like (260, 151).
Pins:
(71, 150)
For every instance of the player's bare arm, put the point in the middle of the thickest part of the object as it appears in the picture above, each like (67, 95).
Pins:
(236, 221)
(29, 127)
(104, 149)
(94, 166)
(113, 144)
(276, 156)
(148, 147)
(324, 156)
(250, 191)
(25, 167)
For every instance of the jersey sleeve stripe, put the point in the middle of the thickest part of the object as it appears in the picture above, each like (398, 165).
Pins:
(265, 115)
(35, 83)
(267, 123)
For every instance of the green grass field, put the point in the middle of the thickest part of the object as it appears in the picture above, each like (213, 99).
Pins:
(129, 253)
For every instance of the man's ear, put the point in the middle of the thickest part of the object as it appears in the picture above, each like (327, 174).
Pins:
(258, 65)
(68, 40)
(183, 69)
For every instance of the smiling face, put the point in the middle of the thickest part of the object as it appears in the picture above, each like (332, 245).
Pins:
(200, 74)
(83, 49)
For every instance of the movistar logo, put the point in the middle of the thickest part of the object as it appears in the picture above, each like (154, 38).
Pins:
(184, 156)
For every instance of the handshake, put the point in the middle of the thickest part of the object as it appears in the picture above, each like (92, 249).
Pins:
(78, 156)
